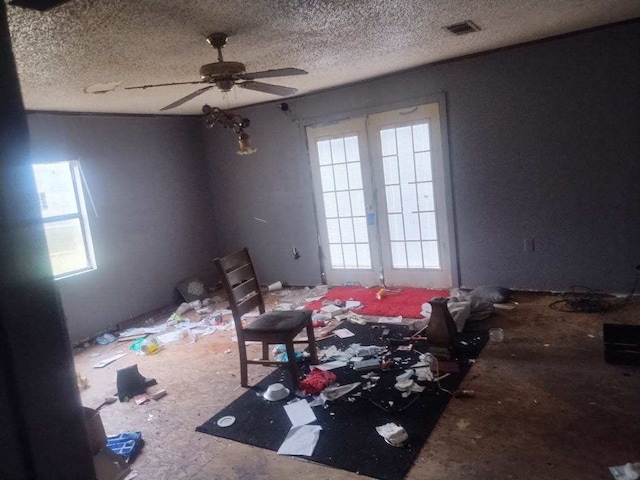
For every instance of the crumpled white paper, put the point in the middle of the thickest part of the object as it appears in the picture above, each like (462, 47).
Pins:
(393, 433)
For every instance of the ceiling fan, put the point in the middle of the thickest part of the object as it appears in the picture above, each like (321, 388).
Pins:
(226, 75)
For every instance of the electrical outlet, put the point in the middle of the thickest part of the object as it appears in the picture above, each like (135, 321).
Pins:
(529, 245)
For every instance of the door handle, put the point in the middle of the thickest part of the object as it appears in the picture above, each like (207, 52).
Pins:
(371, 219)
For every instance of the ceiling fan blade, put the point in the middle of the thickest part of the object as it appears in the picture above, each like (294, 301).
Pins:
(268, 88)
(163, 85)
(280, 72)
(187, 98)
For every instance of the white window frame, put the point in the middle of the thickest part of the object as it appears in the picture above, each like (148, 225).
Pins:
(81, 215)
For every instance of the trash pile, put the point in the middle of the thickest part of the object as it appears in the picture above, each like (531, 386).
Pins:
(320, 387)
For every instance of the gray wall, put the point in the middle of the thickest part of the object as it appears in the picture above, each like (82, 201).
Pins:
(544, 141)
(148, 180)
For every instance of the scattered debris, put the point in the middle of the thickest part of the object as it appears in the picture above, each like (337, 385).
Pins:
(317, 381)
(196, 304)
(131, 333)
(275, 392)
(397, 319)
(462, 424)
(183, 308)
(133, 475)
(333, 393)
(146, 346)
(141, 399)
(82, 382)
(107, 401)
(408, 386)
(130, 383)
(105, 339)
(226, 421)
(107, 361)
(300, 440)
(155, 392)
(355, 318)
(331, 309)
(364, 365)
(173, 336)
(629, 471)
(393, 434)
(299, 412)
(127, 445)
(344, 333)
(496, 334)
(464, 394)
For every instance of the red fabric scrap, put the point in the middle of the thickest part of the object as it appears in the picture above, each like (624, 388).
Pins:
(317, 381)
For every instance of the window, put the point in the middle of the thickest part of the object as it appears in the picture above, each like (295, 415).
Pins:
(64, 217)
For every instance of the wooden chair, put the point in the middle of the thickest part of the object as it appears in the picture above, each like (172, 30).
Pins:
(277, 327)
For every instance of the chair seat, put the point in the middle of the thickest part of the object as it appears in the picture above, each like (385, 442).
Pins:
(279, 322)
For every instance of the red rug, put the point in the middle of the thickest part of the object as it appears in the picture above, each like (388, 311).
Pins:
(406, 302)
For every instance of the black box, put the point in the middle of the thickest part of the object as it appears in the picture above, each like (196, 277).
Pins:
(621, 343)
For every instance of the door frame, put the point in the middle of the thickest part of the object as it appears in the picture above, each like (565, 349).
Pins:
(441, 99)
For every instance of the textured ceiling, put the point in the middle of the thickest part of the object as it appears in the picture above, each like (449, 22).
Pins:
(87, 45)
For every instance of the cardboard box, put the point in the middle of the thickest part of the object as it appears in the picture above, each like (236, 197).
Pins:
(95, 430)
(110, 466)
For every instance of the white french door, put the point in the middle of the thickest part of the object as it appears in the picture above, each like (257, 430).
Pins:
(345, 202)
(380, 198)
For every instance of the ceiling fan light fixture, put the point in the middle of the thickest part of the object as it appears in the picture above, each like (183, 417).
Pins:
(225, 85)
(245, 146)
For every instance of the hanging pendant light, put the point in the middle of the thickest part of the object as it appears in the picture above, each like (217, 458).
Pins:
(245, 146)
(215, 116)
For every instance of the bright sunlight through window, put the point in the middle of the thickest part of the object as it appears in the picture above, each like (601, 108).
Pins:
(64, 217)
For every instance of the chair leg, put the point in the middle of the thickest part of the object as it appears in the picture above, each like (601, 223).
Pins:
(265, 351)
(242, 348)
(293, 364)
(313, 351)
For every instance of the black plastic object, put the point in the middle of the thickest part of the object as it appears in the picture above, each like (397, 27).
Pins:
(131, 383)
(40, 5)
(621, 343)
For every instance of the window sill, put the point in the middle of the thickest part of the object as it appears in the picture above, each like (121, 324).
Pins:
(73, 274)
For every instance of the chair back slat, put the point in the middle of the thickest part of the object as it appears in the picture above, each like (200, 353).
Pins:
(241, 274)
(247, 288)
(249, 304)
(235, 260)
(240, 283)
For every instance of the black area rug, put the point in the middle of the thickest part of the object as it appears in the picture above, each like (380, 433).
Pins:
(348, 439)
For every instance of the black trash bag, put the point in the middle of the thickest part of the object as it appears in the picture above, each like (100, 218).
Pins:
(130, 382)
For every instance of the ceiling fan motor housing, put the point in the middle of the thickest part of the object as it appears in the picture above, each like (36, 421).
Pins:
(221, 69)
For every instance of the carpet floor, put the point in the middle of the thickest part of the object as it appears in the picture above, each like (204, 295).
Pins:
(348, 439)
(404, 301)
